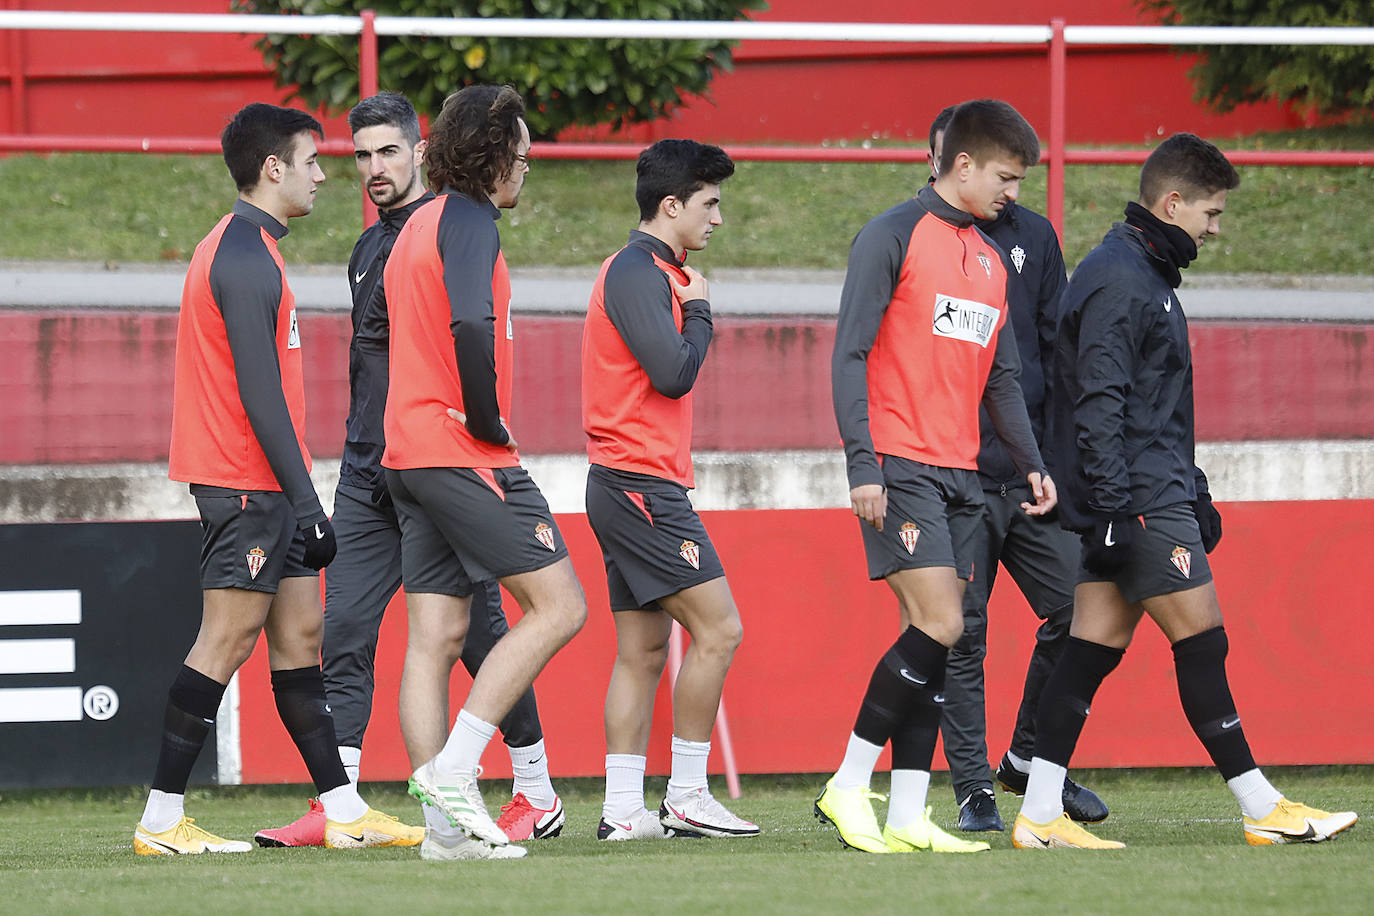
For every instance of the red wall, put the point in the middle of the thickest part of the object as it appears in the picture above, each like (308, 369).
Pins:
(95, 386)
(814, 629)
(125, 84)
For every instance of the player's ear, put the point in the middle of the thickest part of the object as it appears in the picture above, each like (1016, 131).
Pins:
(420, 152)
(963, 165)
(670, 206)
(272, 169)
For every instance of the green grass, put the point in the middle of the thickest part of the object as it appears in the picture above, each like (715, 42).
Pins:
(127, 207)
(70, 852)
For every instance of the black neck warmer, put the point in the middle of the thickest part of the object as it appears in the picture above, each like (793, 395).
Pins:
(1174, 247)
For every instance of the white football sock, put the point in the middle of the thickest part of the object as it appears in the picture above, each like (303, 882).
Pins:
(162, 811)
(352, 759)
(907, 797)
(1044, 799)
(689, 767)
(855, 771)
(343, 805)
(530, 769)
(463, 749)
(1257, 797)
(624, 786)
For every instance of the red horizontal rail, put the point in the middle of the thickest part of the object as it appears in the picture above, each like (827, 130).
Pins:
(1237, 157)
(56, 143)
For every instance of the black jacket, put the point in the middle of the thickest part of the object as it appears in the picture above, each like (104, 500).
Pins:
(368, 375)
(1035, 281)
(1121, 424)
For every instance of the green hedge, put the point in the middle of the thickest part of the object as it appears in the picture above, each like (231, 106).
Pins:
(565, 82)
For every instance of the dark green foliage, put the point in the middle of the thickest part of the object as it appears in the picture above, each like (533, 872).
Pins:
(1326, 79)
(564, 82)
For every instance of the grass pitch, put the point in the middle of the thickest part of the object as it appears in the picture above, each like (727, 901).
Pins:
(71, 852)
(134, 207)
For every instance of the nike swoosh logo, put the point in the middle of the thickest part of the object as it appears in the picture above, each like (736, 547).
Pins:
(910, 677)
(1168, 303)
(536, 760)
(1232, 724)
(939, 698)
(357, 839)
(172, 849)
(358, 278)
(1109, 542)
(319, 535)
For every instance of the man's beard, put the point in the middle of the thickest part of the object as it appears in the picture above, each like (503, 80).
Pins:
(388, 194)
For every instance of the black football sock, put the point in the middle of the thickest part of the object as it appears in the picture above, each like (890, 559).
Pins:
(1067, 696)
(913, 741)
(901, 681)
(1200, 662)
(192, 704)
(301, 704)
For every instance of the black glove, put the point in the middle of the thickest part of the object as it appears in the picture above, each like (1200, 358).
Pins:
(1208, 521)
(320, 546)
(1108, 546)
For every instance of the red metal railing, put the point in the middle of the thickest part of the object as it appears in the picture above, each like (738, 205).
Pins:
(1055, 39)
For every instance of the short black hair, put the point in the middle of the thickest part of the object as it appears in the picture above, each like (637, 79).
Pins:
(677, 168)
(1188, 164)
(386, 108)
(985, 128)
(260, 130)
(940, 123)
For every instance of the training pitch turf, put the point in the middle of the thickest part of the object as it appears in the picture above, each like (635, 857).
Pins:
(70, 851)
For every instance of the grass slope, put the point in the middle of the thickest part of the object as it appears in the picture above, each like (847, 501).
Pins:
(70, 852)
(129, 207)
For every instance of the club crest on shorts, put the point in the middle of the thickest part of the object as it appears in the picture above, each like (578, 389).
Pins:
(1182, 558)
(545, 535)
(909, 533)
(691, 553)
(1018, 258)
(986, 262)
(256, 560)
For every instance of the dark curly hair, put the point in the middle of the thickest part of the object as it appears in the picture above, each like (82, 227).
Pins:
(475, 139)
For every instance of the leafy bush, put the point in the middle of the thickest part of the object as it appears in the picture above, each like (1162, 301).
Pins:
(1326, 79)
(564, 82)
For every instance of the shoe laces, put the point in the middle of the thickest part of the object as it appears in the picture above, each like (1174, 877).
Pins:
(519, 803)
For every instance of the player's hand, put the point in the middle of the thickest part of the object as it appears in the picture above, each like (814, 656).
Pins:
(696, 286)
(870, 503)
(1108, 546)
(463, 418)
(1045, 493)
(320, 545)
(1208, 521)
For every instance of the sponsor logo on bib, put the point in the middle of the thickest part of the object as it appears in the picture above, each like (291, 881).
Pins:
(964, 319)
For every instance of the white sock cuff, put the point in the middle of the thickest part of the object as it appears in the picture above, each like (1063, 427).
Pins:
(691, 748)
(524, 756)
(484, 730)
(1019, 764)
(627, 761)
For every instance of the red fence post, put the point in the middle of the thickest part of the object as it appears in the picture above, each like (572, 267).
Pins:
(367, 86)
(18, 114)
(1054, 189)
